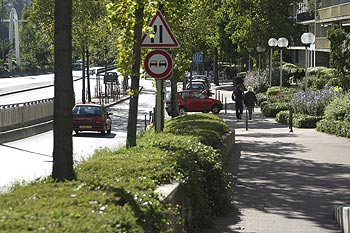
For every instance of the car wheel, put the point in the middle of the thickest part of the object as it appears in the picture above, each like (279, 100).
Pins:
(182, 110)
(216, 109)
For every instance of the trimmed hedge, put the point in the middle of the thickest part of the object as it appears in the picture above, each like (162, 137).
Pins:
(269, 109)
(299, 120)
(114, 190)
(203, 126)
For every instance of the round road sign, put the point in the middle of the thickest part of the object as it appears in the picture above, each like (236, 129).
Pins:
(158, 64)
(168, 76)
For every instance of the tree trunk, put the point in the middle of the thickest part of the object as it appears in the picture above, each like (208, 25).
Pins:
(215, 68)
(83, 78)
(174, 101)
(63, 146)
(135, 78)
(88, 74)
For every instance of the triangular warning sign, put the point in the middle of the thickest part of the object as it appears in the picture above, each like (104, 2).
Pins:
(162, 36)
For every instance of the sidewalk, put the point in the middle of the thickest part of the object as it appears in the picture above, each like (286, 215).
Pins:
(284, 181)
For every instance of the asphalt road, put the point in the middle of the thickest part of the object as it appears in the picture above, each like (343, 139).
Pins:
(31, 158)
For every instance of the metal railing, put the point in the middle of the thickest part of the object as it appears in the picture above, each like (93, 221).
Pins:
(22, 114)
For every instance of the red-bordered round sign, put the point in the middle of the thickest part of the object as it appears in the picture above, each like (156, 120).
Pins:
(158, 64)
(168, 76)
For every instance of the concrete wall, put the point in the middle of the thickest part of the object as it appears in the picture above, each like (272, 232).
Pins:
(23, 114)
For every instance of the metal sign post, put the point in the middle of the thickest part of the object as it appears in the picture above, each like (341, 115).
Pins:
(158, 63)
(159, 124)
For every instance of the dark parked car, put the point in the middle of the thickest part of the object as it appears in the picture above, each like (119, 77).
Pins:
(111, 77)
(202, 77)
(195, 101)
(196, 85)
(199, 84)
(91, 117)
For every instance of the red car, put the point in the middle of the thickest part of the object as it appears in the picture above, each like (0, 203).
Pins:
(91, 117)
(195, 101)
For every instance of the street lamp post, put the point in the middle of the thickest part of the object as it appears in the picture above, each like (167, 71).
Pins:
(272, 43)
(307, 38)
(282, 43)
(250, 50)
(260, 49)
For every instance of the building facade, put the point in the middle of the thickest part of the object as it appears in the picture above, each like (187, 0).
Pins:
(319, 17)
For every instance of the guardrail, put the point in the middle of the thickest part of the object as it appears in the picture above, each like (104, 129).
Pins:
(24, 114)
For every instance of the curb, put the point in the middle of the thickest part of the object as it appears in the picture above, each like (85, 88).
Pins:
(20, 133)
(342, 217)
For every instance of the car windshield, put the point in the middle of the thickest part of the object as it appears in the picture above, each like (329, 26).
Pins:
(86, 111)
(196, 86)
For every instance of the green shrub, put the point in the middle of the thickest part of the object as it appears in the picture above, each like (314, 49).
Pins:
(272, 91)
(305, 121)
(338, 128)
(114, 190)
(271, 109)
(283, 117)
(316, 70)
(322, 78)
(273, 94)
(204, 179)
(338, 109)
(299, 120)
(207, 127)
(261, 97)
(337, 117)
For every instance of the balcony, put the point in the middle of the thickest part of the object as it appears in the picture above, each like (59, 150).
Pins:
(304, 16)
(334, 13)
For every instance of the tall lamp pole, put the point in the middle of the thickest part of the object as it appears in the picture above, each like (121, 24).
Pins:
(282, 43)
(307, 38)
(260, 49)
(272, 43)
(250, 50)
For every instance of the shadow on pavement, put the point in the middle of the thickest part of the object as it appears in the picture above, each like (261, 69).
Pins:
(293, 187)
(274, 176)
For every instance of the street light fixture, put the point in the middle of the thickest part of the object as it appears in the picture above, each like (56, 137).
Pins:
(272, 43)
(282, 43)
(307, 39)
(260, 49)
